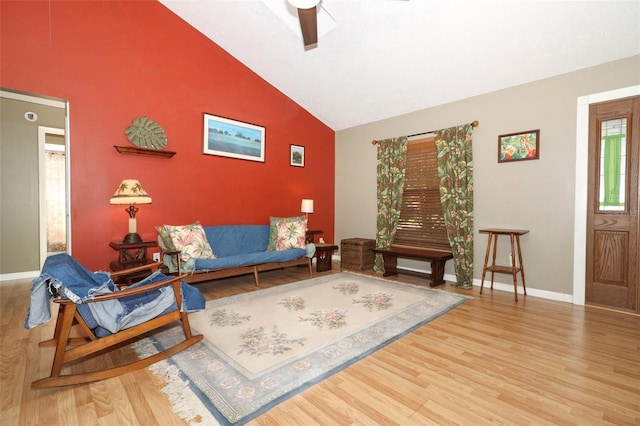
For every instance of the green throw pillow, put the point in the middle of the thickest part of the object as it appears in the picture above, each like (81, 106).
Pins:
(165, 240)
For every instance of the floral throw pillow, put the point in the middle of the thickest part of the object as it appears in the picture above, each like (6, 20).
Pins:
(291, 235)
(191, 241)
(273, 229)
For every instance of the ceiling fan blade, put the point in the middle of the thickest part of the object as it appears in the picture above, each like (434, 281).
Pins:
(309, 25)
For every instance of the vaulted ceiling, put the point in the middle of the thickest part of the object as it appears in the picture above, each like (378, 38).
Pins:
(377, 59)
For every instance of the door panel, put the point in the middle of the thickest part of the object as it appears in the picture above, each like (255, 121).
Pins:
(612, 215)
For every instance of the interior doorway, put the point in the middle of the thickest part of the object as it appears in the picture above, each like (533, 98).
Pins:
(613, 224)
(581, 180)
(28, 125)
(53, 190)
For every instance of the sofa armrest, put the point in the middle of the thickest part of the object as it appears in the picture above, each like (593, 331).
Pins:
(178, 260)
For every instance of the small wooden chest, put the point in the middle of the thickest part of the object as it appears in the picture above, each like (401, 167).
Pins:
(357, 254)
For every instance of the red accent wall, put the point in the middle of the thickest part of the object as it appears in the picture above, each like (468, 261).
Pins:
(116, 60)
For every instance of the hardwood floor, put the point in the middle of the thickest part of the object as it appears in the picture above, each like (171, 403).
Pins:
(490, 360)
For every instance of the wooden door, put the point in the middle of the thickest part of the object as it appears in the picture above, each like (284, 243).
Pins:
(612, 278)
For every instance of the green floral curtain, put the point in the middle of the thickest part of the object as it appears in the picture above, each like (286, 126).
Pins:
(455, 170)
(392, 155)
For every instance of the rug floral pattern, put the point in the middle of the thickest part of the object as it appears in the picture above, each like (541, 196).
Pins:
(264, 346)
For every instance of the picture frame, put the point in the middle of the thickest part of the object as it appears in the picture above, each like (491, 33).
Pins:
(519, 146)
(232, 138)
(296, 156)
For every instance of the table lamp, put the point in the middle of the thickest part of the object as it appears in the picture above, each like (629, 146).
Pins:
(131, 192)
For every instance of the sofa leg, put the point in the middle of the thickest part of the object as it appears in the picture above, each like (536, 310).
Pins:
(255, 276)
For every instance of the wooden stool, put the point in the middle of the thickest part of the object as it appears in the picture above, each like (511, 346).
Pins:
(514, 235)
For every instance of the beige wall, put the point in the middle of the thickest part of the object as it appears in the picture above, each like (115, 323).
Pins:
(537, 195)
(19, 202)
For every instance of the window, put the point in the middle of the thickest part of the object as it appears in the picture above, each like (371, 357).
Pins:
(613, 161)
(421, 217)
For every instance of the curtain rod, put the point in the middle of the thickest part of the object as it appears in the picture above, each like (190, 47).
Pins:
(475, 123)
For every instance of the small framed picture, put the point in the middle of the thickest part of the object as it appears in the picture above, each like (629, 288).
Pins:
(519, 146)
(232, 138)
(296, 156)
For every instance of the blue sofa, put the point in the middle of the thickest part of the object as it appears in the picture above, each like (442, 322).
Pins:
(239, 250)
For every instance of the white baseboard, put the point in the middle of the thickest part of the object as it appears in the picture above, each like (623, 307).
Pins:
(544, 294)
(19, 275)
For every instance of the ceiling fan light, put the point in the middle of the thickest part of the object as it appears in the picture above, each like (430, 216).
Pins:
(304, 4)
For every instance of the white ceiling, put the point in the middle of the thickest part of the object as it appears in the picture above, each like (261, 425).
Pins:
(385, 58)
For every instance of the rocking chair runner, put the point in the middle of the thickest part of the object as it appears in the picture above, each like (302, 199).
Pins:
(138, 297)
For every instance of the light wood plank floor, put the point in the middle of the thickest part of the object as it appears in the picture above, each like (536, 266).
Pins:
(491, 360)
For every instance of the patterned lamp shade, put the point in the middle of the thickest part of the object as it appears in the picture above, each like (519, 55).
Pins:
(131, 192)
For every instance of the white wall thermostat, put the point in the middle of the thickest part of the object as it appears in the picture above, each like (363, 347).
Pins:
(31, 116)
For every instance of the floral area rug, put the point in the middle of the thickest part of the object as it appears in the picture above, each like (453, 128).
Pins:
(262, 347)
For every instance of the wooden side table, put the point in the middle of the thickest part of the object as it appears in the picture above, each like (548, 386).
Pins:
(513, 269)
(130, 255)
(311, 235)
(323, 256)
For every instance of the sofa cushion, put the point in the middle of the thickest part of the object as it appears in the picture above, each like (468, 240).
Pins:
(249, 259)
(291, 234)
(229, 240)
(164, 239)
(273, 228)
(191, 240)
(166, 245)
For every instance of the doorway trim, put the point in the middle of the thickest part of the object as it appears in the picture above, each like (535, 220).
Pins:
(43, 131)
(581, 190)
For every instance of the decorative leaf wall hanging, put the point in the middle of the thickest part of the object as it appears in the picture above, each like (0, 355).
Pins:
(146, 133)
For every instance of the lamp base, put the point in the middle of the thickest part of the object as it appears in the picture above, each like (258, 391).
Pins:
(132, 238)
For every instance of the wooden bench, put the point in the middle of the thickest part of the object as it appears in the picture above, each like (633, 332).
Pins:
(437, 257)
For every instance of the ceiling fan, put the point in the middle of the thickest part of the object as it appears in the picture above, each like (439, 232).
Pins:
(308, 16)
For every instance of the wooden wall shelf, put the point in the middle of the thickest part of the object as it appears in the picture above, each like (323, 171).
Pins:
(132, 150)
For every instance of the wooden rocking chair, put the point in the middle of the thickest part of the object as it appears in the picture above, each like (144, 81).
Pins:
(70, 349)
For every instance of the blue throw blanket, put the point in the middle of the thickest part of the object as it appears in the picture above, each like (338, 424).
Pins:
(74, 282)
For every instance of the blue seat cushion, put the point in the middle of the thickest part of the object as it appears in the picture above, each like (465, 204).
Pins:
(74, 282)
(229, 240)
(108, 317)
(62, 273)
(249, 259)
